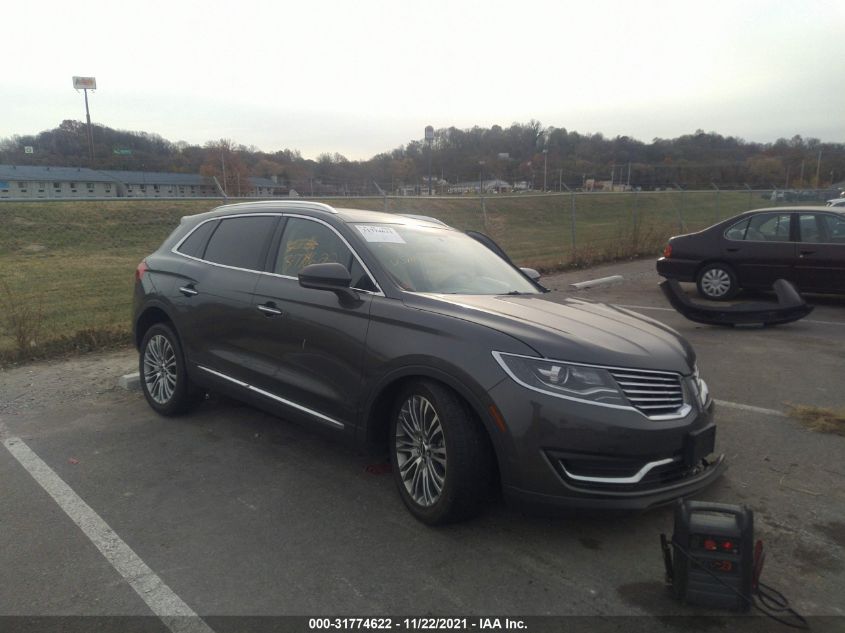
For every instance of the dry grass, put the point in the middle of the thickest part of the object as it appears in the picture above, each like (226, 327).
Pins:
(819, 419)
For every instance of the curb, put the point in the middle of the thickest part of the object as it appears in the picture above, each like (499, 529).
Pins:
(130, 382)
(595, 283)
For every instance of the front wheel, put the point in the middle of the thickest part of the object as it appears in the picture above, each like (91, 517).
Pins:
(441, 456)
(717, 282)
(164, 379)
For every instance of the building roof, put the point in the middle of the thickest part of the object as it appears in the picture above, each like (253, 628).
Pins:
(33, 172)
(264, 182)
(155, 178)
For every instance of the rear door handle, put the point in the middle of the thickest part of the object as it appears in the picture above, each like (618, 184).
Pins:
(188, 290)
(270, 309)
(807, 253)
(732, 250)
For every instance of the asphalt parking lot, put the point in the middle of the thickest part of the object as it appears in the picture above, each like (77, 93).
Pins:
(237, 513)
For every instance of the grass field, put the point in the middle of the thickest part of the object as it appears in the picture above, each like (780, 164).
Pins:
(66, 268)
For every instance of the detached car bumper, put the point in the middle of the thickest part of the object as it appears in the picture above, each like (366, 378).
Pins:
(680, 269)
(568, 454)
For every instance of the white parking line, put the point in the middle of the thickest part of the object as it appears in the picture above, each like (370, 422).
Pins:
(176, 615)
(673, 310)
(749, 408)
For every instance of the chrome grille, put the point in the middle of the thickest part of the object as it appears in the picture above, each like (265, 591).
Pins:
(651, 392)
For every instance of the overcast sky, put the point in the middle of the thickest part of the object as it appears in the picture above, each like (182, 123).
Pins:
(363, 76)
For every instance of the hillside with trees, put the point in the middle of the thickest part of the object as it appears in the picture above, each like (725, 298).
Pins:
(522, 152)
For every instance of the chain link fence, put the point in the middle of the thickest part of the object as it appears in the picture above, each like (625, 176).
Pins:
(66, 268)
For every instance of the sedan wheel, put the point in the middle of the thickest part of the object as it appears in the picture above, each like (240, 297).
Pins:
(717, 282)
(441, 455)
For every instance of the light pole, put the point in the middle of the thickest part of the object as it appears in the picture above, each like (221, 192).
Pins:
(545, 167)
(429, 138)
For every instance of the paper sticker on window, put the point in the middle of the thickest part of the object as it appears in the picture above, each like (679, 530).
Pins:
(376, 233)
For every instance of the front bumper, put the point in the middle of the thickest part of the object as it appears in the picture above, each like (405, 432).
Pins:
(569, 454)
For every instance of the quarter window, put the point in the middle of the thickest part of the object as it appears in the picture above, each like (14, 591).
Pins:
(240, 242)
(194, 245)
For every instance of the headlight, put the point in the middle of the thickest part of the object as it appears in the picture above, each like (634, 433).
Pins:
(564, 380)
(700, 387)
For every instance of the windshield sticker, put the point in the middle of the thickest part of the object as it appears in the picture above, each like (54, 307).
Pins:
(375, 233)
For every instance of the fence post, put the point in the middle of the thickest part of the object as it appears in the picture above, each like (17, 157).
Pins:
(750, 194)
(385, 203)
(572, 226)
(681, 208)
(636, 220)
(484, 212)
(718, 206)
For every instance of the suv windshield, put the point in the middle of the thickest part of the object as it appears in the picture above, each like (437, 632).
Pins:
(444, 261)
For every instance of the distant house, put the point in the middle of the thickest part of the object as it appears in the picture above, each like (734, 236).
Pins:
(494, 185)
(24, 181)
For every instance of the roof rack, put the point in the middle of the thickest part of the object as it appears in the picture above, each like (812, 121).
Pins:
(285, 204)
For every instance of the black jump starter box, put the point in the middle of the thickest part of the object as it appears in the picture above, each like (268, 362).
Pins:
(715, 564)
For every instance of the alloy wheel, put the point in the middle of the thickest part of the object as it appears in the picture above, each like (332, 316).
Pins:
(421, 450)
(160, 369)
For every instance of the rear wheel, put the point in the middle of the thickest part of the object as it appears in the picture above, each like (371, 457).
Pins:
(441, 456)
(164, 380)
(717, 282)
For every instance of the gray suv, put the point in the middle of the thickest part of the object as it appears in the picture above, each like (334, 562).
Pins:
(406, 336)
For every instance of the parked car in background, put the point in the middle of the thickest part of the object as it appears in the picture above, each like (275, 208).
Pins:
(804, 245)
(836, 202)
(415, 340)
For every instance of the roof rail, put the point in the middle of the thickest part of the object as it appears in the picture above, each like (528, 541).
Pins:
(293, 204)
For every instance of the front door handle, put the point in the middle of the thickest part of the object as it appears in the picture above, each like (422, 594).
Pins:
(732, 250)
(803, 253)
(269, 309)
(189, 290)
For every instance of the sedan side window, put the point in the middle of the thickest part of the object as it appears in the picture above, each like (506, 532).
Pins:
(737, 231)
(768, 227)
(810, 230)
(305, 242)
(835, 228)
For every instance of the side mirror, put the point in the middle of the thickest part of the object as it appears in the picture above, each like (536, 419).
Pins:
(332, 276)
(532, 274)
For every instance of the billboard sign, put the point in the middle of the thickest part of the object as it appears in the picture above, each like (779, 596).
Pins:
(122, 152)
(85, 83)
(28, 149)
(429, 133)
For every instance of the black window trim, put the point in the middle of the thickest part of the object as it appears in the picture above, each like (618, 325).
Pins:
(175, 249)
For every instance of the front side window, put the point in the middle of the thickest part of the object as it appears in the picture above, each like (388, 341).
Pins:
(443, 261)
(810, 229)
(835, 228)
(240, 242)
(306, 242)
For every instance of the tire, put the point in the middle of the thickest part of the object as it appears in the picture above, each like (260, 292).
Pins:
(454, 481)
(717, 282)
(164, 379)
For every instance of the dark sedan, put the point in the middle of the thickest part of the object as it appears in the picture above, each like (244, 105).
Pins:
(805, 245)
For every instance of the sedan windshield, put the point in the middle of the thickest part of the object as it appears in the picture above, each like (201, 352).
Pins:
(440, 260)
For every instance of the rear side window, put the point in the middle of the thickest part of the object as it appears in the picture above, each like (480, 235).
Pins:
(240, 242)
(194, 246)
(768, 227)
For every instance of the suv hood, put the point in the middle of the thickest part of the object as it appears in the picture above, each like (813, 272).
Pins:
(574, 330)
